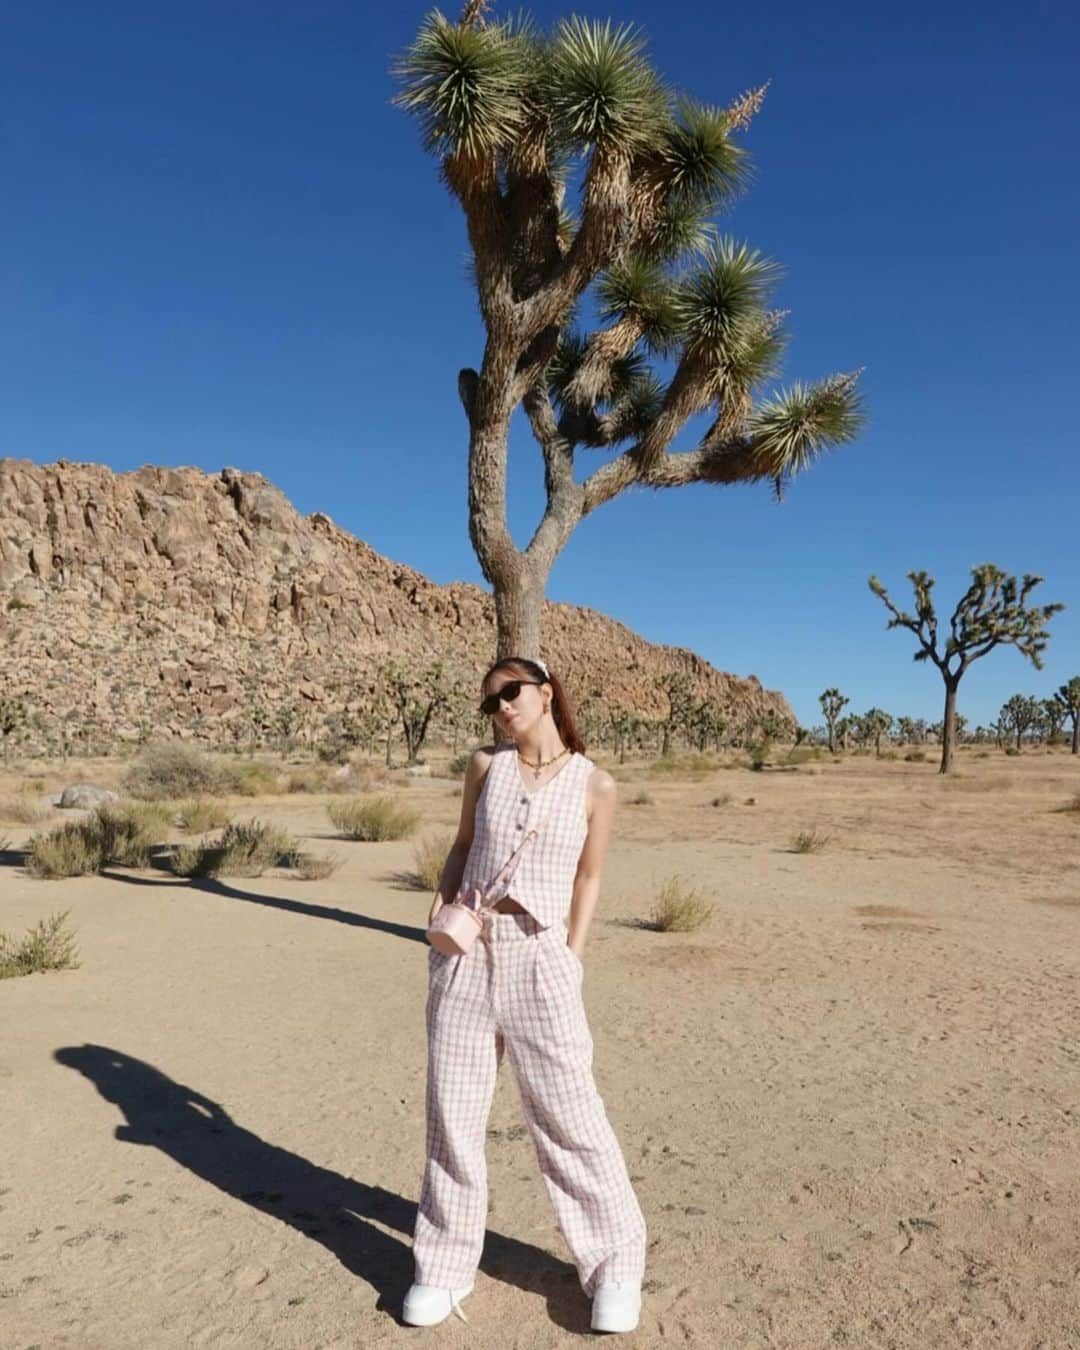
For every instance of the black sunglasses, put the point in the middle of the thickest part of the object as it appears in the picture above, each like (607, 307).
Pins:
(509, 692)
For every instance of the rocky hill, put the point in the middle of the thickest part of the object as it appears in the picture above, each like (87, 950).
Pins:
(166, 599)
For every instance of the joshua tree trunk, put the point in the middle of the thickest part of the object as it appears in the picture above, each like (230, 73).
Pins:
(948, 726)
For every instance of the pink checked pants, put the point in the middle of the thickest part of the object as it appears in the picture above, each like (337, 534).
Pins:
(519, 987)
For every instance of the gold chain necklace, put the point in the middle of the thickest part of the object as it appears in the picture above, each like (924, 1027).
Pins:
(542, 763)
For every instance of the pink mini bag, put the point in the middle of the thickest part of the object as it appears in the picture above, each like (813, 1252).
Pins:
(456, 926)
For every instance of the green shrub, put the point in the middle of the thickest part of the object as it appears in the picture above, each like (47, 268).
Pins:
(678, 909)
(430, 854)
(377, 817)
(457, 766)
(199, 814)
(49, 945)
(246, 849)
(809, 841)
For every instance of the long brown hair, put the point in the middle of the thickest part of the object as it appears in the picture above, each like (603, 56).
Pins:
(561, 711)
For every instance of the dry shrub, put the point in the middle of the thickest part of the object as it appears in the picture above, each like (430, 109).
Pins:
(310, 778)
(21, 809)
(688, 764)
(49, 945)
(959, 783)
(430, 854)
(915, 757)
(642, 798)
(372, 818)
(809, 841)
(312, 866)
(679, 909)
(724, 799)
(199, 814)
(171, 769)
(120, 834)
(246, 849)
(1072, 806)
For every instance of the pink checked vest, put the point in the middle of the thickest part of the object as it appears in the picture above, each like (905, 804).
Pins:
(506, 809)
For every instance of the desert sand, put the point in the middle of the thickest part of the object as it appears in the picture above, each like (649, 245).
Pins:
(850, 1103)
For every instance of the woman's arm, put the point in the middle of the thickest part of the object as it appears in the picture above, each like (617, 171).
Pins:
(454, 867)
(601, 794)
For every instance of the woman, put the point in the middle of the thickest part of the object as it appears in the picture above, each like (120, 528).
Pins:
(518, 987)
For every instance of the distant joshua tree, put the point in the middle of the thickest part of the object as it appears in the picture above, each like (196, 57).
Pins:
(1068, 696)
(516, 117)
(1018, 715)
(13, 719)
(990, 613)
(832, 703)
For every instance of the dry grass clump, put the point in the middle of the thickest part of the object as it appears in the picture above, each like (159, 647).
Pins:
(199, 814)
(724, 799)
(312, 866)
(244, 849)
(430, 855)
(680, 909)
(309, 778)
(372, 818)
(642, 798)
(21, 809)
(115, 833)
(686, 765)
(959, 783)
(1072, 806)
(49, 945)
(809, 841)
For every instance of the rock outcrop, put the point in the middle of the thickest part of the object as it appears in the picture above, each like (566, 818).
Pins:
(159, 600)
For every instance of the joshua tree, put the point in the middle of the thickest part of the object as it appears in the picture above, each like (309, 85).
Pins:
(1068, 696)
(13, 717)
(676, 684)
(416, 695)
(990, 613)
(707, 722)
(517, 117)
(1018, 715)
(832, 703)
(1051, 717)
(877, 723)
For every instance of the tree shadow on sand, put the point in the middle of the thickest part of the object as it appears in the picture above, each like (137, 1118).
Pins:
(325, 1206)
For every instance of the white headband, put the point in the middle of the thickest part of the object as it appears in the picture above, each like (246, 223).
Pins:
(536, 661)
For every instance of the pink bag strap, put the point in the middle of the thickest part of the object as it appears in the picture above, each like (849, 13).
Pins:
(501, 882)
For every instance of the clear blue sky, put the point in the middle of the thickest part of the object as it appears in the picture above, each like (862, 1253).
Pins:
(221, 245)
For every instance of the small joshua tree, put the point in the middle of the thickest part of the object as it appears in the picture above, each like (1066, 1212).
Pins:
(516, 118)
(13, 719)
(833, 704)
(1018, 715)
(1068, 696)
(992, 612)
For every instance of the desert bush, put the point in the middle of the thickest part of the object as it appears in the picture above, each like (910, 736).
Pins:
(430, 857)
(310, 778)
(959, 783)
(128, 831)
(49, 945)
(457, 766)
(172, 769)
(803, 754)
(889, 754)
(199, 814)
(249, 778)
(1011, 750)
(687, 764)
(724, 799)
(244, 849)
(679, 909)
(312, 866)
(21, 809)
(642, 798)
(69, 850)
(809, 841)
(372, 818)
(915, 757)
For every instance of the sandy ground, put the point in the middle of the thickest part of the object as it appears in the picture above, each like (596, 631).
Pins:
(850, 1103)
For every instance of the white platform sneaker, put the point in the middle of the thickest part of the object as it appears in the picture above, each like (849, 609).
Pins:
(426, 1304)
(616, 1306)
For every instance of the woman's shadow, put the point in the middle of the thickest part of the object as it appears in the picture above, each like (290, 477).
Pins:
(324, 1205)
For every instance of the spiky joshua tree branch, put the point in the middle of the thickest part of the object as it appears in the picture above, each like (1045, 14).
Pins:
(521, 121)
